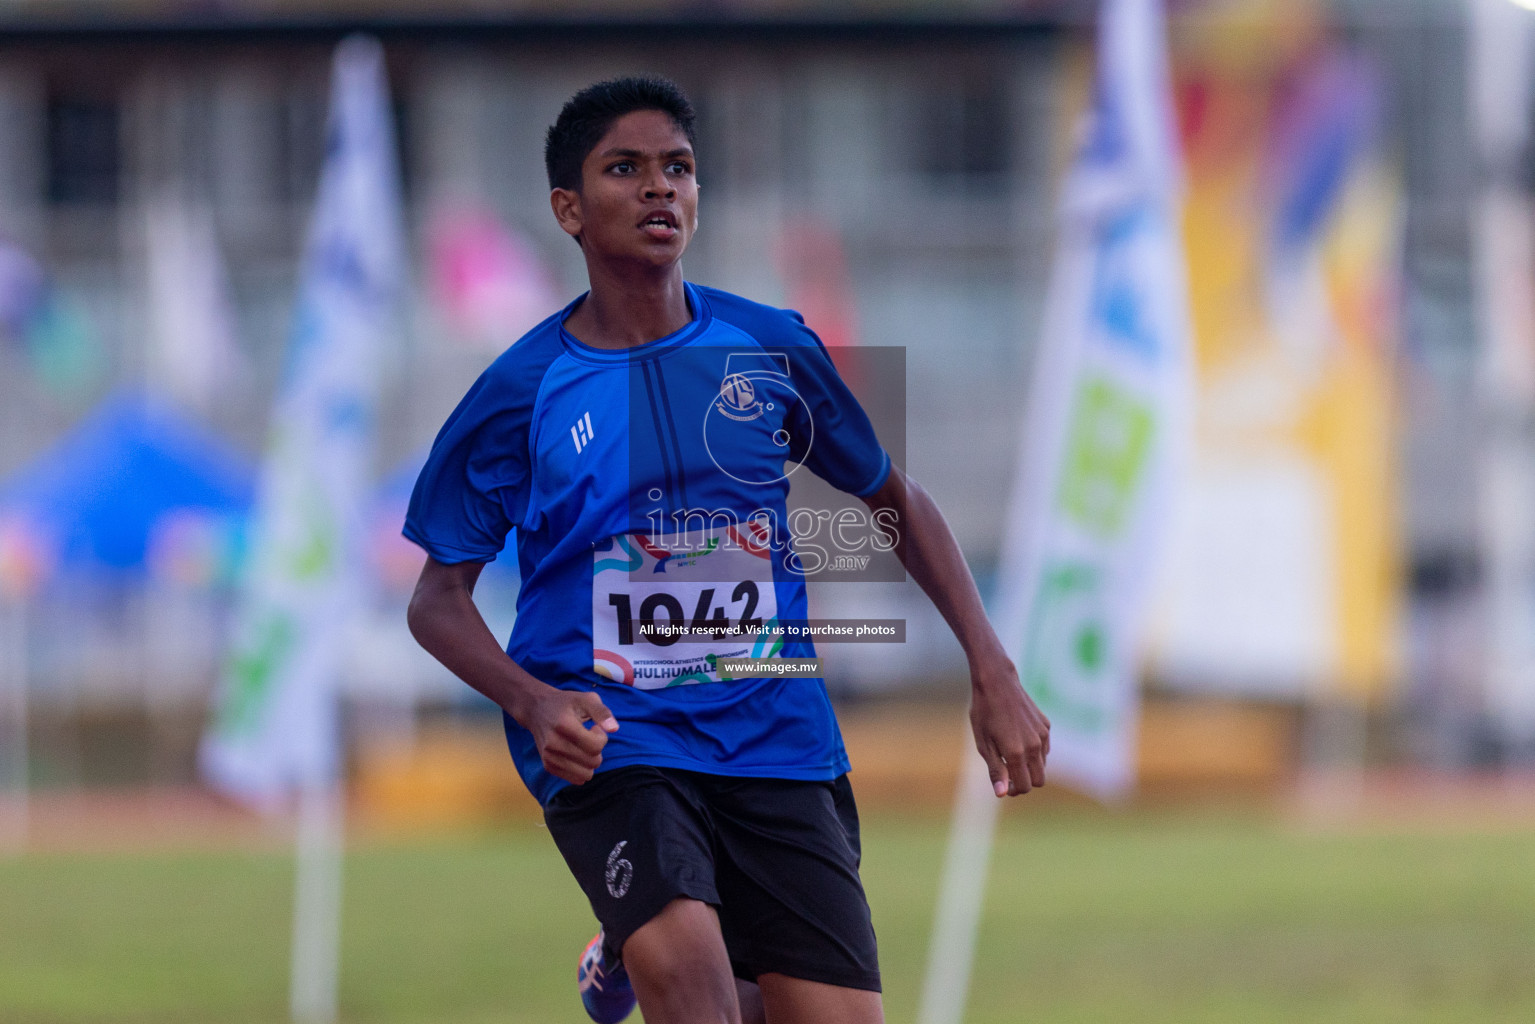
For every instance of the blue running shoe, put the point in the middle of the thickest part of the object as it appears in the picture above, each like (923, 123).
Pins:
(605, 989)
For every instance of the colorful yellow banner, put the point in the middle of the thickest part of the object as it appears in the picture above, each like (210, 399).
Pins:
(1285, 575)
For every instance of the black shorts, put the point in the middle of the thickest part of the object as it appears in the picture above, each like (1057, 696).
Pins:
(778, 859)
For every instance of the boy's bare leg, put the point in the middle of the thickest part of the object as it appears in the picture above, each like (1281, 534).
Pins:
(796, 1001)
(750, 998)
(679, 967)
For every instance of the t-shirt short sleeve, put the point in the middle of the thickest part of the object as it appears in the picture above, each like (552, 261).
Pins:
(831, 433)
(474, 486)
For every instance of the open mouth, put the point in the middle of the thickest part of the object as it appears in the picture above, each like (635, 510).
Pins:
(659, 224)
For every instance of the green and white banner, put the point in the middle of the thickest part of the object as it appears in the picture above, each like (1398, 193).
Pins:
(1107, 418)
(275, 723)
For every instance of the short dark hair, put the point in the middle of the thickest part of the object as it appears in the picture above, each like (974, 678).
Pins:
(587, 116)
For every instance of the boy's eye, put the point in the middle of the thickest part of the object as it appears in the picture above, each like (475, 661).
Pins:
(623, 166)
(679, 168)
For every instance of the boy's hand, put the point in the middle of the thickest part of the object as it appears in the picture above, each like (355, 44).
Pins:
(1011, 733)
(570, 747)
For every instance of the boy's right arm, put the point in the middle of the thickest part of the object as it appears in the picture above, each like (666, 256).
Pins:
(445, 621)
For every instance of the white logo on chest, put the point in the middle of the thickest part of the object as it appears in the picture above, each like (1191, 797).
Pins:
(582, 432)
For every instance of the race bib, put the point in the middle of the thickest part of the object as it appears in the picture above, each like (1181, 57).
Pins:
(715, 587)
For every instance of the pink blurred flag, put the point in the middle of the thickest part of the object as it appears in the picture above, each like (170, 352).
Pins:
(487, 278)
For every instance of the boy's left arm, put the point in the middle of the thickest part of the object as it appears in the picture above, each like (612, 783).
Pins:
(1011, 733)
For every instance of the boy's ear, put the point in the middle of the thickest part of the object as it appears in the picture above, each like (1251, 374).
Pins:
(566, 204)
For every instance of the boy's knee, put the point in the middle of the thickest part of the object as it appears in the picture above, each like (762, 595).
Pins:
(679, 966)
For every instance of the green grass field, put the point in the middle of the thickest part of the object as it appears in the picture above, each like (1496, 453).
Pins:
(1144, 918)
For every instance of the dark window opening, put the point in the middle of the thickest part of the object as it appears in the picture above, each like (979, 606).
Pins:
(404, 144)
(84, 151)
(303, 141)
(303, 144)
(968, 126)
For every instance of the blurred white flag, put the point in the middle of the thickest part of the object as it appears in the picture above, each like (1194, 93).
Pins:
(1108, 415)
(275, 726)
(193, 351)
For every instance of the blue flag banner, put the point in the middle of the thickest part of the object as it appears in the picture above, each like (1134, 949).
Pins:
(275, 725)
(1108, 415)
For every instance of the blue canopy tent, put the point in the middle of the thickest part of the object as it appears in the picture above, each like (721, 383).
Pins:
(99, 493)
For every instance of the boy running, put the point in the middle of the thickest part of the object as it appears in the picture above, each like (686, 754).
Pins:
(637, 443)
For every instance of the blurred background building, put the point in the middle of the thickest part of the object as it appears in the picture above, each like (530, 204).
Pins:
(887, 168)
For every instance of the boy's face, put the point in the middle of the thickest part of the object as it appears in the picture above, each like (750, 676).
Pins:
(639, 196)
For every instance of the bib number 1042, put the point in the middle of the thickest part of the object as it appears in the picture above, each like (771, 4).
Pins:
(662, 617)
(665, 617)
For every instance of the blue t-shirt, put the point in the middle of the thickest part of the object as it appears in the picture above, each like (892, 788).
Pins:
(647, 488)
